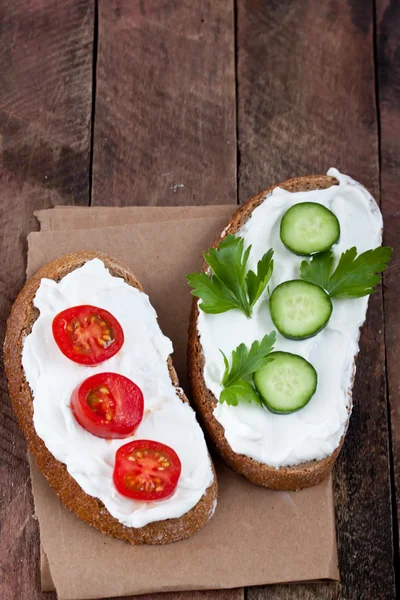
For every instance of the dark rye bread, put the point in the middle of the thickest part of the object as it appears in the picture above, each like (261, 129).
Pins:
(88, 508)
(284, 478)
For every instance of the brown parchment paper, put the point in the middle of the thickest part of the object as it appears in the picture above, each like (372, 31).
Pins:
(85, 217)
(256, 536)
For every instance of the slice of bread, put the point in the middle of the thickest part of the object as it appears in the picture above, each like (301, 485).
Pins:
(284, 478)
(88, 508)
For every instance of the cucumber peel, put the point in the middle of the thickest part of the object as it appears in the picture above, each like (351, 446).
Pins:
(308, 227)
(286, 383)
(299, 309)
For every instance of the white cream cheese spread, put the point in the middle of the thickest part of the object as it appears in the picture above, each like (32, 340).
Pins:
(143, 359)
(315, 431)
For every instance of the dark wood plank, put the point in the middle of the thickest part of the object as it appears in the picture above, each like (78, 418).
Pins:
(45, 114)
(165, 124)
(307, 102)
(165, 128)
(388, 57)
(311, 591)
(306, 91)
(236, 594)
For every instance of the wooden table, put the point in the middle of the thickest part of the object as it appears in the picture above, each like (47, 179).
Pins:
(200, 102)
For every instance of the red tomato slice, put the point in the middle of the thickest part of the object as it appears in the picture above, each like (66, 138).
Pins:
(87, 334)
(108, 405)
(146, 470)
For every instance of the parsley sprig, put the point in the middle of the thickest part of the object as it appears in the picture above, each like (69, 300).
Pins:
(231, 285)
(354, 277)
(236, 379)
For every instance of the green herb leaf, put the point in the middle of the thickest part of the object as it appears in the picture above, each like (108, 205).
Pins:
(241, 391)
(215, 296)
(318, 270)
(256, 283)
(230, 285)
(357, 276)
(246, 362)
(354, 277)
(228, 263)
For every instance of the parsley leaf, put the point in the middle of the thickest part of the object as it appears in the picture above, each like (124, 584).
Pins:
(245, 362)
(256, 283)
(318, 270)
(242, 391)
(354, 277)
(230, 284)
(228, 263)
(216, 298)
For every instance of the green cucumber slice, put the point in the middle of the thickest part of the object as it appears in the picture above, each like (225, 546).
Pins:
(286, 383)
(299, 309)
(308, 227)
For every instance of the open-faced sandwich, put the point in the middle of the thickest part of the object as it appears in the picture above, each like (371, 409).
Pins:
(93, 386)
(275, 326)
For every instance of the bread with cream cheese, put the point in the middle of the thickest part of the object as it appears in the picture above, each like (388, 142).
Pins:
(88, 508)
(294, 477)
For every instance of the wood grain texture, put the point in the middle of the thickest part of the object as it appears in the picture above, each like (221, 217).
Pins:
(165, 117)
(388, 55)
(235, 594)
(306, 101)
(165, 123)
(306, 98)
(300, 591)
(45, 107)
(165, 127)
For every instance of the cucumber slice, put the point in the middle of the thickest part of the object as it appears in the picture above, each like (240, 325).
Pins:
(299, 309)
(308, 227)
(286, 383)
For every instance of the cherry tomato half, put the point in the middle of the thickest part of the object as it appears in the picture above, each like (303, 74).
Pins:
(87, 334)
(108, 405)
(146, 470)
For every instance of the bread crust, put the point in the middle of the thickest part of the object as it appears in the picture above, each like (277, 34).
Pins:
(294, 477)
(88, 508)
